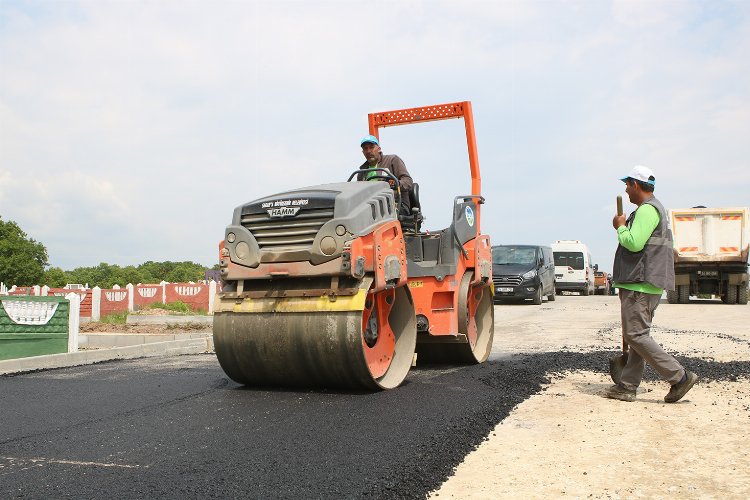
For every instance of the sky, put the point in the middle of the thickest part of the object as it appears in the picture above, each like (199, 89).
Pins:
(129, 131)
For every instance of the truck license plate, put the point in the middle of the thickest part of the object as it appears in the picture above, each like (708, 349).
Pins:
(504, 289)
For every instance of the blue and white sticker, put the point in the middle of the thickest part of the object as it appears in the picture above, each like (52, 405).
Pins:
(469, 216)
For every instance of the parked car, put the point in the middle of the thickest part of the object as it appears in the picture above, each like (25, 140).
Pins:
(601, 282)
(521, 272)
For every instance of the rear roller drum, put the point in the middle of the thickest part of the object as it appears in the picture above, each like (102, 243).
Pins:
(355, 349)
(476, 315)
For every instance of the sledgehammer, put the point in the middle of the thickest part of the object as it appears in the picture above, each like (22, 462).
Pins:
(617, 363)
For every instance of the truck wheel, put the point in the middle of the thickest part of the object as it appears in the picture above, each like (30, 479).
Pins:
(672, 296)
(742, 296)
(732, 294)
(684, 294)
(585, 291)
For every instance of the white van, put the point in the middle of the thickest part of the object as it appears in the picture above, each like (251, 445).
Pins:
(573, 269)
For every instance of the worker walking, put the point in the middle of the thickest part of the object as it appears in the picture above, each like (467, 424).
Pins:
(643, 269)
(374, 158)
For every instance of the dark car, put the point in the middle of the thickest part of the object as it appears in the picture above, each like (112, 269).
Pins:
(521, 272)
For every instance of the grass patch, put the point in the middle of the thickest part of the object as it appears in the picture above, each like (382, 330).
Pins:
(115, 318)
(177, 306)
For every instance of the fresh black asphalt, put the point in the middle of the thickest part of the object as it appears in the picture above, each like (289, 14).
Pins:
(178, 428)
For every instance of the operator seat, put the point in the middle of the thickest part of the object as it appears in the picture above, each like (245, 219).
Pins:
(412, 223)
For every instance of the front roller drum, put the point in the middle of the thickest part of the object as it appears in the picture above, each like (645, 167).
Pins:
(367, 349)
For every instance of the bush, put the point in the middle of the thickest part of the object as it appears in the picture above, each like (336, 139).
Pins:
(177, 306)
(115, 318)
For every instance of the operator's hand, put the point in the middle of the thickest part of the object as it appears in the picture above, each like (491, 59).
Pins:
(618, 220)
(392, 183)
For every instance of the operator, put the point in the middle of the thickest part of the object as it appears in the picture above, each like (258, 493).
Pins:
(643, 269)
(376, 159)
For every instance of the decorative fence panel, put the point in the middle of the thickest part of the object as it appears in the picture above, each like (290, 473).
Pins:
(34, 326)
(83, 295)
(144, 295)
(113, 301)
(94, 303)
(196, 295)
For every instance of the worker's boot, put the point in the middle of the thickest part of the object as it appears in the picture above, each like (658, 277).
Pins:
(620, 392)
(678, 390)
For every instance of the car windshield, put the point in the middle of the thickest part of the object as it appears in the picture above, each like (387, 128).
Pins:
(513, 255)
(569, 259)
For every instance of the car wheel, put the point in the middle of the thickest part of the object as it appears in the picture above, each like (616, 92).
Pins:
(538, 296)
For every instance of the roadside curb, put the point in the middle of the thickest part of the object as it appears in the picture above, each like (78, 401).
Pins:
(94, 340)
(136, 319)
(64, 360)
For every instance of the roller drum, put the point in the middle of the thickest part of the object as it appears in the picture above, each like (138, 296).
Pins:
(318, 348)
(476, 329)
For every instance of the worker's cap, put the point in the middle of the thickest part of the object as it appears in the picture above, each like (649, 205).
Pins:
(369, 138)
(641, 173)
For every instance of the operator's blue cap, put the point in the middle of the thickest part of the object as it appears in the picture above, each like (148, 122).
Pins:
(369, 138)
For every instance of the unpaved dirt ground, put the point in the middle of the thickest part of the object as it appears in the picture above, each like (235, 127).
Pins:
(153, 329)
(569, 441)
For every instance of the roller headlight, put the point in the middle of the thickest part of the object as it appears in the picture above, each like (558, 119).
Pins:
(328, 245)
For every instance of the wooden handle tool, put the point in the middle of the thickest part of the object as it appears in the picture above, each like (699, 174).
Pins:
(620, 212)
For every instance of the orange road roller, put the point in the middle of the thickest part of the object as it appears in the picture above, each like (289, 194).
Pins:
(328, 286)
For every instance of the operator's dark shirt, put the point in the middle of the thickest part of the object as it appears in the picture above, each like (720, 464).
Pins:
(394, 165)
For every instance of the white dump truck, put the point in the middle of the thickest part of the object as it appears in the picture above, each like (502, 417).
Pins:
(710, 250)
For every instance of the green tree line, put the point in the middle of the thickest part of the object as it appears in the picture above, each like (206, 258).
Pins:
(24, 262)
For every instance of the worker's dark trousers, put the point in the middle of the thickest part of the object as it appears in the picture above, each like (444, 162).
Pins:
(637, 311)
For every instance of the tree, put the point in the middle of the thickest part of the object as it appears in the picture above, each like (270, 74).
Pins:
(22, 259)
(55, 277)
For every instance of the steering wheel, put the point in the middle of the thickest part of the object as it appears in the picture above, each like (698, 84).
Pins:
(384, 175)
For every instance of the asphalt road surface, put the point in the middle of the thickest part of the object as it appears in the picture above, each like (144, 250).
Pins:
(178, 427)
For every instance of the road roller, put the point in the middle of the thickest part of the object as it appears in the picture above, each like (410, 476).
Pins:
(330, 287)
